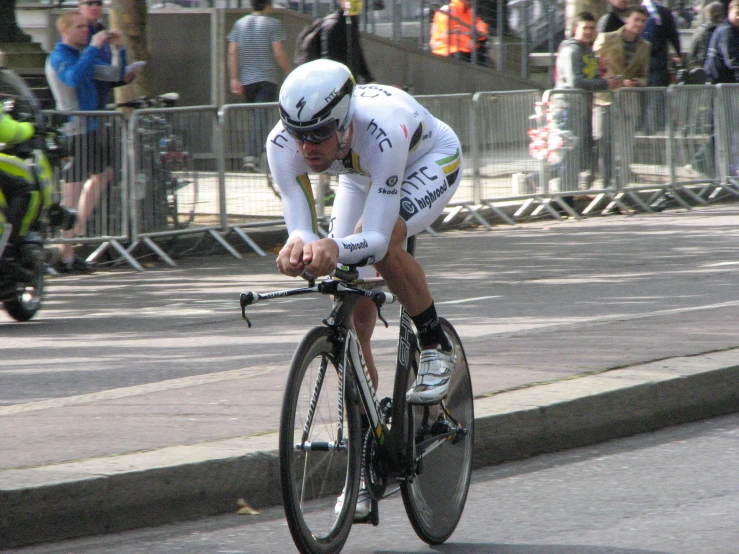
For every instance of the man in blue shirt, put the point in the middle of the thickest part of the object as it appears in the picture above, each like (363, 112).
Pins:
(72, 69)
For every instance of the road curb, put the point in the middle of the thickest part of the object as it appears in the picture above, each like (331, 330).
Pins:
(116, 493)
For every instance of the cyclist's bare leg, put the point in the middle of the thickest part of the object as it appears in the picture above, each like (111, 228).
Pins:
(365, 316)
(403, 274)
(405, 278)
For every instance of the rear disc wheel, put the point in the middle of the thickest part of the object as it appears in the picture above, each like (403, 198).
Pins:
(435, 497)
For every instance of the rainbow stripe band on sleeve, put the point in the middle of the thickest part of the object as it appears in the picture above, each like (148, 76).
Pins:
(450, 166)
(304, 183)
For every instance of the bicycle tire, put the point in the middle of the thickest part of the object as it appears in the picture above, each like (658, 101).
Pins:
(311, 480)
(434, 498)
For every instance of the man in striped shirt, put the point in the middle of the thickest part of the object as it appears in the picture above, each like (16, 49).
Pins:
(256, 53)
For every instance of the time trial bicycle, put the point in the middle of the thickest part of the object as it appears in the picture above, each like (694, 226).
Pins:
(423, 451)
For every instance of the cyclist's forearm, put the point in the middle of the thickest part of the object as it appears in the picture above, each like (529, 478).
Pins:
(361, 246)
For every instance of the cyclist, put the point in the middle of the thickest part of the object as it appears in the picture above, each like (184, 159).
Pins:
(398, 167)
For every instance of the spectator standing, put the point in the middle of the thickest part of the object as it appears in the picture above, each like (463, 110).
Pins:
(577, 68)
(624, 56)
(722, 60)
(340, 40)
(451, 32)
(71, 70)
(256, 54)
(661, 32)
(713, 15)
(614, 19)
(92, 11)
(722, 66)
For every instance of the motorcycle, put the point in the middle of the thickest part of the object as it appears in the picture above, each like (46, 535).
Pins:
(22, 276)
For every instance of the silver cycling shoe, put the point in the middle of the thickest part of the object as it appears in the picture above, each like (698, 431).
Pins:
(434, 374)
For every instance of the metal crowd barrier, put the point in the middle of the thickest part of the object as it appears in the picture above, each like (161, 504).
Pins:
(250, 196)
(96, 167)
(727, 134)
(196, 170)
(175, 185)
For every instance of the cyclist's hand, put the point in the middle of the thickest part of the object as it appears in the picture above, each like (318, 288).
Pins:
(290, 258)
(320, 257)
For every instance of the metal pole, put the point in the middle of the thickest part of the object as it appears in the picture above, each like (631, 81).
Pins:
(525, 40)
(397, 21)
(499, 54)
(550, 32)
(473, 37)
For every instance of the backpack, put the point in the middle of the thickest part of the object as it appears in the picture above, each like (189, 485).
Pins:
(308, 44)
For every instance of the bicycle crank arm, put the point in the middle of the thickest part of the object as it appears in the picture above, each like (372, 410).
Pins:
(320, 446)
(429, 445)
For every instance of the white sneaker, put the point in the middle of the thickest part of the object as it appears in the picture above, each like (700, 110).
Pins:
(434, 373)
(364, 503)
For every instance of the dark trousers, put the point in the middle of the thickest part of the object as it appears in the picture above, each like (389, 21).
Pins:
(257, 93)
(602, 134)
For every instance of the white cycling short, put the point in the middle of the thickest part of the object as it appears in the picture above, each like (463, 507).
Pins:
(428, 186)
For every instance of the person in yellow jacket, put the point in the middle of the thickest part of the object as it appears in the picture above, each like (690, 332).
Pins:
(451, 32)
(16, 205)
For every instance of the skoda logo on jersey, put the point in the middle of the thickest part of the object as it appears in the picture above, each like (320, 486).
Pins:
(407, 208)
(392, 181)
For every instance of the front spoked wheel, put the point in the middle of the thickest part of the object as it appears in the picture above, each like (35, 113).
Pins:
(319, 457)
(443, 435)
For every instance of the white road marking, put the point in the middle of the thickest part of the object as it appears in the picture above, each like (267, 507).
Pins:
(463, 300)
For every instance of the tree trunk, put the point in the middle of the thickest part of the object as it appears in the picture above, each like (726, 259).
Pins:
(132, 19)
(9, 30)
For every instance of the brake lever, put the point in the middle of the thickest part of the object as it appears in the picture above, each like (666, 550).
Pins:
(245, 300)
(379, 314)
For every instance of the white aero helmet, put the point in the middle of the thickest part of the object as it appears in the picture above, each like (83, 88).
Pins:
(316, 100)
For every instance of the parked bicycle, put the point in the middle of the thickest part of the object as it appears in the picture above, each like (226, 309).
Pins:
(166, 180)
(423, 451)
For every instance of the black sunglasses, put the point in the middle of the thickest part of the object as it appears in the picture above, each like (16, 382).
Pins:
(316, 135)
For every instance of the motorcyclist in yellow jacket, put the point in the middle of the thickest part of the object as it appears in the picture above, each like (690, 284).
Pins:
(18, 205)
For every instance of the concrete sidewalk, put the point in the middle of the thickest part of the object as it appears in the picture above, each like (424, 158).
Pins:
(113, 493)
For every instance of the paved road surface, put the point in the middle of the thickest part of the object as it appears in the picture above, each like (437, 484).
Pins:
(675, 491)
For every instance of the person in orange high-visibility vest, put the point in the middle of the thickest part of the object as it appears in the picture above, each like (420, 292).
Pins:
(451, 31)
